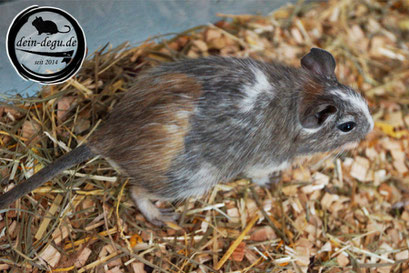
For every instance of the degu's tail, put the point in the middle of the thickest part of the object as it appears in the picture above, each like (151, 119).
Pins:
(66, 161)
(69, 29)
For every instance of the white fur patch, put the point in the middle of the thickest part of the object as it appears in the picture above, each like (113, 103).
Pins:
(202, 181)
(252, 91)
(262, 172)
(172, 129)
(183, 114)
(310, 130)
(349, 146)
(359, 102)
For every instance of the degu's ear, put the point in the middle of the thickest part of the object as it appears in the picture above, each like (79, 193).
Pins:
(319, 61)
(312, 116)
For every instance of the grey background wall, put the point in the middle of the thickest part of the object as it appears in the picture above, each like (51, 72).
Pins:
(106, 21)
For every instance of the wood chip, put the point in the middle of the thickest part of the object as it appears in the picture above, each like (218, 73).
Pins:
(263, 234)
(342, 259)
(30, 129)
(138, 268)
(63, 106)
(402, 255)
(238, 253)
(50, 255)
(60, 234)
(83, 257)
(360, 168)
(234, 215)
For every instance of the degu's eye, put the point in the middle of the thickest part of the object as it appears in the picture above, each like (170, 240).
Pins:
(347, 126)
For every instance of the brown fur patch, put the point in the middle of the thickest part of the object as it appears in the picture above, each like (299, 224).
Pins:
(146, 130)
(312, 89)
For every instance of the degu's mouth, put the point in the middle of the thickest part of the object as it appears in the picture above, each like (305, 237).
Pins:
(349, 146)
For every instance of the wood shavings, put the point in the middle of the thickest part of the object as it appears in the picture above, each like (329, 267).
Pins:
(50, 255)
(236, 243)
(63, 106)
(238, 253)
(138, 268)
(342, 259)
(319, 182)
(263, 234)
(83, 257)
(360, 168)
(30, 129)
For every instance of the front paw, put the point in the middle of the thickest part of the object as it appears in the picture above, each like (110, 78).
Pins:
(262, 181)
(267, 181)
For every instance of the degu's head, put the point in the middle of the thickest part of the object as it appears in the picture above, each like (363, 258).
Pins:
(331, 115)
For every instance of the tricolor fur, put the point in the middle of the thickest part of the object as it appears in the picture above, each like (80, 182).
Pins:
(190, 124)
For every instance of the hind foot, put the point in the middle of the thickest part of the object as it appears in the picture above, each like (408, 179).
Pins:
(158, 217)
